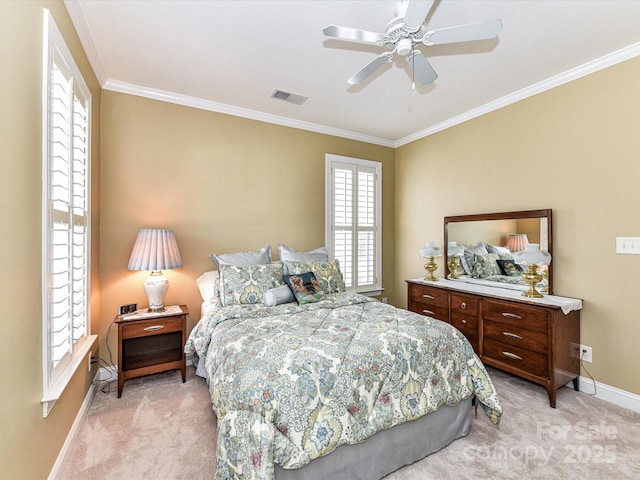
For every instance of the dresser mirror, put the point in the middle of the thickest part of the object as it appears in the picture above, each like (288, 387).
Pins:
(494, 229)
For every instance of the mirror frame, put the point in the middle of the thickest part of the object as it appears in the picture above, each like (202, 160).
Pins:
(544, 213)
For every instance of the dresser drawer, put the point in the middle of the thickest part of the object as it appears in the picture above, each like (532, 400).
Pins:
(439, 313)
(522, 359)
(529, 318)
(464, 304)
(151, 327)
(516, 336)
(430, 296)
(468, 325)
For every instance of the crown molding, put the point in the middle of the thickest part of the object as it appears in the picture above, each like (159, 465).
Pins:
(194, 102)
(593, 66)
(74, 8)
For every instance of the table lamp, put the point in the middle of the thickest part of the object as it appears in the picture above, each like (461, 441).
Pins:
(430, 251)
(532, 257)
(454, 252)
(155, 250)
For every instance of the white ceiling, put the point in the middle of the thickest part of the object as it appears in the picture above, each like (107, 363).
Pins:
(229, 56)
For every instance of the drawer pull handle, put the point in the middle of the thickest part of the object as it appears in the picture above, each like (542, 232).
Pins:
(510, 315)
(513, 356)
(512, 335)
(429, 297)
(428, 312)
(153, 328)
(464, 322)
(463, 305)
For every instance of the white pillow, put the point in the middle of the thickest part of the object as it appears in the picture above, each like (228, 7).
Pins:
(207, 284)
(288, 254)
(278, 296)
(243, 259)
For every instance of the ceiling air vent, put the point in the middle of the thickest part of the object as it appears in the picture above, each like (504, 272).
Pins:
(289, 97)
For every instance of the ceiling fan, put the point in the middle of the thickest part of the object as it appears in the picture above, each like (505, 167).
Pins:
(405, 33)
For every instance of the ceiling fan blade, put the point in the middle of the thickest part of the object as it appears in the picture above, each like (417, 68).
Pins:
(353, 34)
(417, 12)
(422, 69)
(464, 33)
(370, 68)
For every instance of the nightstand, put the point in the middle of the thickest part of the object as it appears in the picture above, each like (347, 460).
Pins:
(151, 343)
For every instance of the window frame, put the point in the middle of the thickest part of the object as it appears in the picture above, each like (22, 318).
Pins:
(56, 378)
(332, 160)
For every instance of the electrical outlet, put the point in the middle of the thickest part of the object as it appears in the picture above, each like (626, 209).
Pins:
(384, 299)
(585, 353)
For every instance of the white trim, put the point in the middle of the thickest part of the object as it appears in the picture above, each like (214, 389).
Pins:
(79, 20)
(593, 66)
(71, 436)
(610, 394)
(202, 104)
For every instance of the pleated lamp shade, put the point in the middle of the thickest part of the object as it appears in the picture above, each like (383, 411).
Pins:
(517, 242)
(155, 249)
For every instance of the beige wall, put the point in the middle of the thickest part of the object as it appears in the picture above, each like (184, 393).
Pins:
(222, 183)
(30, 444)
(573, 149)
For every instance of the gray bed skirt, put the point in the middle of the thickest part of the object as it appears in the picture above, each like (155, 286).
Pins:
(388, 450)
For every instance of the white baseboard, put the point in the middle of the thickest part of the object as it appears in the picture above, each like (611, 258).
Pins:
(68, 443)
(610, 394)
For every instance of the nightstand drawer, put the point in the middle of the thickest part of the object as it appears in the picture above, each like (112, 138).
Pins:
(516, 336)
(517, 315)
(154, 326)
(519, 358)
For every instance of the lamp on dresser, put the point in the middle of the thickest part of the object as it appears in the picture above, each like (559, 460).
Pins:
(430, 251)
(155, 250)
(532, 257)
(454, 252)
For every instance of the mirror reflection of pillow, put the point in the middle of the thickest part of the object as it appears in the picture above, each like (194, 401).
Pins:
(486, 265)
(468, 259)
(510, 268)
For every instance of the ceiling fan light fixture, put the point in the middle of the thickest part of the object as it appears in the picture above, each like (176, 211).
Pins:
(404, 47)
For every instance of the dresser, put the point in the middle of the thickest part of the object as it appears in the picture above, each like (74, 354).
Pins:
(536, 339)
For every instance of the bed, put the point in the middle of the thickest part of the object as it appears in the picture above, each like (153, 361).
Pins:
(341, 387)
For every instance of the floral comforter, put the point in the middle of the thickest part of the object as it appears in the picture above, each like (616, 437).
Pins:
(291, 383)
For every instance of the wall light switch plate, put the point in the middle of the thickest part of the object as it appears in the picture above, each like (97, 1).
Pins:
(628, 245)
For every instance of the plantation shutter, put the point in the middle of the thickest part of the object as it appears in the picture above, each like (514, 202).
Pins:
(65, 211)
(355, 224)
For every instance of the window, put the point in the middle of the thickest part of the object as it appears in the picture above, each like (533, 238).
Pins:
(65, 249)
(353, 220)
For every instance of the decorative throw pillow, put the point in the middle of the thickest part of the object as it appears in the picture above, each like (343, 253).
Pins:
(327, 274)
(485, 266)
(278, 296)
(305, 287)
(247, 284)
(258, 257)
(288, 254)
(468, 259)
(510, 268)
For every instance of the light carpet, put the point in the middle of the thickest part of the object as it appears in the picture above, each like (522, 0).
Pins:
(163, 429)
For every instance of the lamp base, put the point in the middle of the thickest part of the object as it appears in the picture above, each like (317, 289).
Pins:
(532, 277)
(430, 267)
(156, 286)
(454, 263)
